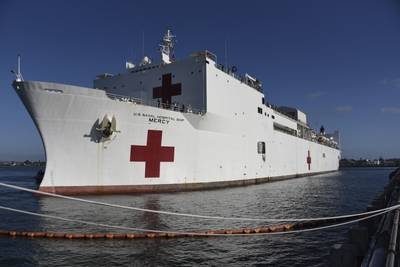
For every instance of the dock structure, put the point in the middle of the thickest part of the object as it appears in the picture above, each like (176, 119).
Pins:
(374, 242)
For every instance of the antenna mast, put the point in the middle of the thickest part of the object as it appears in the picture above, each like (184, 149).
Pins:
(18, 75)
(142, 44)
(226, 54)
(167, 47)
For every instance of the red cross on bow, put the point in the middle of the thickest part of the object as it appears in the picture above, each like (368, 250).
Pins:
(167, 90)
(152, 154)
(309, 160)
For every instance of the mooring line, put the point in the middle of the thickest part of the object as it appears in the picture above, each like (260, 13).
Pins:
(196, 215)
(152, 233)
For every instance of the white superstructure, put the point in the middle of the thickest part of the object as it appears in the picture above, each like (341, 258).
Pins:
(175, 125)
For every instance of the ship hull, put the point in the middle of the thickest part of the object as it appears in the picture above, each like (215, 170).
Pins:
(190, 151)
(165, 188)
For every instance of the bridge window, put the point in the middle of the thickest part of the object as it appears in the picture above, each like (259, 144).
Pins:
(259, 110)
(263, 100)
(284, 129)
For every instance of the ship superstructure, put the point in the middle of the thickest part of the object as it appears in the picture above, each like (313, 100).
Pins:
(175, 125)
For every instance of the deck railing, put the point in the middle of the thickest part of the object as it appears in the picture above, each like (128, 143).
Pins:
(174, 106)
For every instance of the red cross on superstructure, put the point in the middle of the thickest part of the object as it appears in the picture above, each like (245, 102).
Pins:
(152, 154)
(167, 90)
(309, 160)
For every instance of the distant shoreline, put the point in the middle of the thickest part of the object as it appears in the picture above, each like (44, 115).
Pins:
(366, 163)
(20, 167)
(366, 167)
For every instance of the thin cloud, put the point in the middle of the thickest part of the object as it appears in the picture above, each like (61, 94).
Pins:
(315, 95)
(344, 109)
(396, 82)
(391, 82)
(393, 110)
(384, 81)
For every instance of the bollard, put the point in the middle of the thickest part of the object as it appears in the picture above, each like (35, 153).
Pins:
(358, 236)
(342, 255)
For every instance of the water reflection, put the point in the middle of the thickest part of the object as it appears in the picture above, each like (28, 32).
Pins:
(337, 193)
(152, 220)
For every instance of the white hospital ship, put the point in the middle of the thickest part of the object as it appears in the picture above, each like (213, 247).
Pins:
(170, 126)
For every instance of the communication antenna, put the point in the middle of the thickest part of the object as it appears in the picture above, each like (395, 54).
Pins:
(143, 44)
(145, 59)
(226, 54)
(18, 75)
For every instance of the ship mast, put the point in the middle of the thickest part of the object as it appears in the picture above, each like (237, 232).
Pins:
(18, 74)
(167, 47)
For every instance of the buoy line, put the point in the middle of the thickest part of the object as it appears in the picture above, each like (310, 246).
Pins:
(152, 233)
(197, 215)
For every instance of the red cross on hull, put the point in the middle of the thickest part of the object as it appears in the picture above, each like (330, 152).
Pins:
(152, 154)
(167, 90)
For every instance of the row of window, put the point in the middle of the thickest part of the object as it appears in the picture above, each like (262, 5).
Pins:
(260, 111)
(261, 148)
(284, 129)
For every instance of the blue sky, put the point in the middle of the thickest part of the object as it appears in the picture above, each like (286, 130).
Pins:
(339, 61)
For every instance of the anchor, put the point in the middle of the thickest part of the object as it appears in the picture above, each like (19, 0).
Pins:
(107, 128)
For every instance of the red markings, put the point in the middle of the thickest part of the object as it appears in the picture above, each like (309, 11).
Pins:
(167, 90)
(309, 160)
(152, 154)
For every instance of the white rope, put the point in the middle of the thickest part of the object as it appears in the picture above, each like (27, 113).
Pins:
(192, 233)
(196, 215)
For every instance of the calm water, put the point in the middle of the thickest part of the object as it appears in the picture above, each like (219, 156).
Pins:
(347, 191)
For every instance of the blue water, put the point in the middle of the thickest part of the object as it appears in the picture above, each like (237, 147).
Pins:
(347, 191)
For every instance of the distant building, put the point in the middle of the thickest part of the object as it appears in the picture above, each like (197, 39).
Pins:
(377, 162)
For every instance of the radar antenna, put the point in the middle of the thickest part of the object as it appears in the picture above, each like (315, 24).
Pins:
(167, 47)
(18, 75)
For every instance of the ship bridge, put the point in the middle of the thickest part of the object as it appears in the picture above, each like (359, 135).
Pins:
(182, 85)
